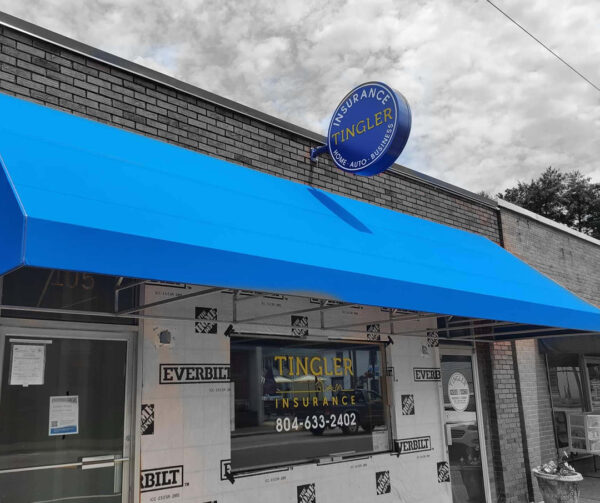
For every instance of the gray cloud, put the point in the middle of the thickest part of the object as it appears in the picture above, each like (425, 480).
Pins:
(489, 105)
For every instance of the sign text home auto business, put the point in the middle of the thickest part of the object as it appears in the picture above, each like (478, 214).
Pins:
(368, 129)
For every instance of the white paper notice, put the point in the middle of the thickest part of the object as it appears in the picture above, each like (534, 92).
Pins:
(64, 415)
(27, 365)
(380, 440)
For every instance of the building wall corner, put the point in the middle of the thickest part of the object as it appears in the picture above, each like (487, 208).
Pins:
(536, 405)
(508, 441)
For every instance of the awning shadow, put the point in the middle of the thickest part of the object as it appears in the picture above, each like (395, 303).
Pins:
(339, 211)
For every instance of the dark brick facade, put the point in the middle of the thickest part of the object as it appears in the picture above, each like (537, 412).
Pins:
(60, 78)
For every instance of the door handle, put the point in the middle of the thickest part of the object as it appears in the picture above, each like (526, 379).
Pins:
(118, 477)
(448, 434)
(93, 462)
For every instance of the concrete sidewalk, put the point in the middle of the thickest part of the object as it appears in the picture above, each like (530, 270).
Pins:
(590, 485)
(589, 490)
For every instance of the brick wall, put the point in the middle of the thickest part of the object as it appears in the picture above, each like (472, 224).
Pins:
(512, 468)
(571, 261)
(537, 407)
(59, 78)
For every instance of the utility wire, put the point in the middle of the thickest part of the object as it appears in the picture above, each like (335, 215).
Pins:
(544, 45)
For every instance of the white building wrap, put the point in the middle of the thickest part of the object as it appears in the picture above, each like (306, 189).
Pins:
(189, 404)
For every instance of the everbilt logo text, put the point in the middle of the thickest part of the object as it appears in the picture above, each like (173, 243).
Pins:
(181, 373)
(155, 479)
(427, 374)
(411, 445)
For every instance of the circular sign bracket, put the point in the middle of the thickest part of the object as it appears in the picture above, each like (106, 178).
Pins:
(317, 151)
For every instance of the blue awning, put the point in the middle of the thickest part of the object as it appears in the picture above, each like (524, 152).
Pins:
(79, 195)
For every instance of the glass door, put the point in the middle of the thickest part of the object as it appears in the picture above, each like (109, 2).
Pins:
(64, 420)
(468, 474)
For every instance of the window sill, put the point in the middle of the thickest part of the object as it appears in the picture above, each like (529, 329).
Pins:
(324, 461)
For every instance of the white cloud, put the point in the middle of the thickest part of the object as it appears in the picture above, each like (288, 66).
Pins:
(490, 106)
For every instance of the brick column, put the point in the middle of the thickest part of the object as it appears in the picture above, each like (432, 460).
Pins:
(536, 405)
(503, 423)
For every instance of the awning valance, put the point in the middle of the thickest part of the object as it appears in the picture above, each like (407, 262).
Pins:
(79, 195)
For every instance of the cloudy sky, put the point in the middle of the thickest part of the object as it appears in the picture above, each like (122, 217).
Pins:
(490, 106)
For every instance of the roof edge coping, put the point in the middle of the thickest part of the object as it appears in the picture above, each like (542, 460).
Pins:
(546, 221)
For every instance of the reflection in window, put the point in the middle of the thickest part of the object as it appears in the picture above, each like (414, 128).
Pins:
(69, 290)
(593, 376)
(297, 401)
(564, 376)
(565, 381)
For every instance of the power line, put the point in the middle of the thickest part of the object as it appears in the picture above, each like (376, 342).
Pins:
(544, 45)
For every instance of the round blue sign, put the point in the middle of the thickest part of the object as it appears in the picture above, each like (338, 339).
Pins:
(369, 129)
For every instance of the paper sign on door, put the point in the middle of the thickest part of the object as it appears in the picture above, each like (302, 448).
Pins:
(64, 415)
(27, 364)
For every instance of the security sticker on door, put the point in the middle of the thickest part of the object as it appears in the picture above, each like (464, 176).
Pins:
(458, 391)
(64, 415)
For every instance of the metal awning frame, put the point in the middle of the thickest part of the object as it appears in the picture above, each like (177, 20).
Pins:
(444, 334)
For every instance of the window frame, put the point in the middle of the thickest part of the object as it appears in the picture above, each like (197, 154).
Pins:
(336, 342)
(585, 372)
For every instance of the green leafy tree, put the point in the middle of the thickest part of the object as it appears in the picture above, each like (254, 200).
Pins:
(582, 201)
(569, 198)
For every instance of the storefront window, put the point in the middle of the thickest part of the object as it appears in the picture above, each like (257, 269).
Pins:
(68, 290)
(592, 368)
(565, 381)
(564, 375)
(299, 401)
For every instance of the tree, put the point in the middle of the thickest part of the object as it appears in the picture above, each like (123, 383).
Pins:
(569, 198)
(581, 202)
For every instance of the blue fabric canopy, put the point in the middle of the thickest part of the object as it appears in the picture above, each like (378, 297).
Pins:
(83, 196)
